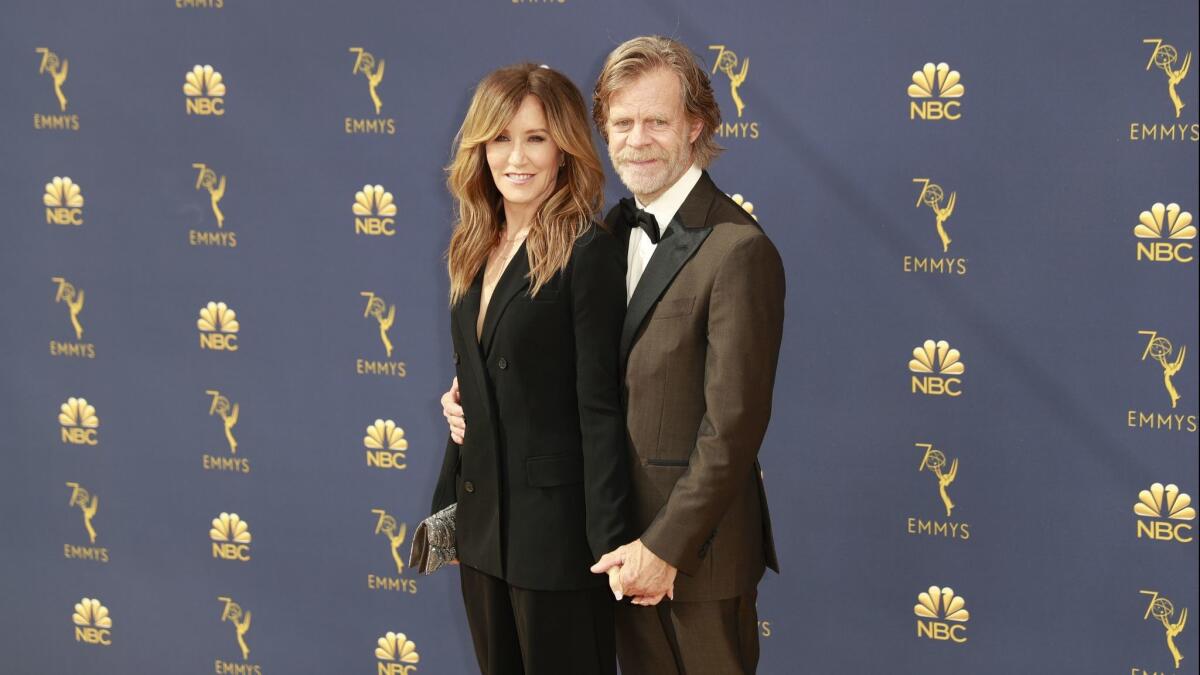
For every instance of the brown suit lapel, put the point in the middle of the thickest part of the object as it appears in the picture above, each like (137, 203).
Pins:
(687, 231)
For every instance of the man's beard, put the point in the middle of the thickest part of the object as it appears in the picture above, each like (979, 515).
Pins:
(667, 171)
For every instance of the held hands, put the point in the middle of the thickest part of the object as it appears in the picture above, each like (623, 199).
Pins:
(453, 412)
(635, 571)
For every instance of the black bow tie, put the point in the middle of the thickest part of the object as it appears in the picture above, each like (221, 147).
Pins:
(641, 218)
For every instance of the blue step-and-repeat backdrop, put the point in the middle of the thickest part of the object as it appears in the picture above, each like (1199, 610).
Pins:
(225, 321)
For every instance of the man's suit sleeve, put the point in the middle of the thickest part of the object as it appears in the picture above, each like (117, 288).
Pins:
(745, 327)
(598, 311)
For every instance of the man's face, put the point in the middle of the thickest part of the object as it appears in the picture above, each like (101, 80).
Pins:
(649, 134)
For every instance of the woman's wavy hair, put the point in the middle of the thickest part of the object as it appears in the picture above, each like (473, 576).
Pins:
(479, 207)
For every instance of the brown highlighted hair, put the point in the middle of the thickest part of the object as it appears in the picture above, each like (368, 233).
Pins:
(636, 57)
(479, 207)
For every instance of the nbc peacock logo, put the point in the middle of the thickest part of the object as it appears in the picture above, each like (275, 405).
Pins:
(936, 92)
(374, 212)
(219, 327)
(63, 199)
(386, 445)
(1164, 514)
(204, 91)
(1165, 234)
(230, 537)
(79, 422)
(396, 655)
(937, 369)
(93, 623)
(941, 615)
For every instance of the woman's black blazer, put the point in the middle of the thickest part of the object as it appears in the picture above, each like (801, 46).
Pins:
(542, 478)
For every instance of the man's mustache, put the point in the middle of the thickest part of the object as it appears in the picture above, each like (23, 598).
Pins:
(639, 156)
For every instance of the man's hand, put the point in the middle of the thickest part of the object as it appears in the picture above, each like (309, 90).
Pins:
(644, 575)
(614, 582)
(453, 412)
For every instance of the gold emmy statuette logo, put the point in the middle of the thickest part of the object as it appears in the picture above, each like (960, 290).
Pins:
(87, 503)
(208, 180)
(374, 211)
(936, 368)
(931, 195)
(380, 311)
(80, 425)
(944, 471)
(73, 298)
(747, 206)
(1159, 348)
(64, 202)
(934, 461)
(385, 445)
(230, 537)
(218, 326)
(1164, 610)
(1163, 505)
(371, 68)
(735, 70)
(366, 64)
(56, 68)
(941, 615)
(930, 88)
(93, 624)
(228, 412)
(395, 532)
(1165, 57)
(1169, 223)
(233, 613)
(727, 62)
(204, 89)
(397, 655)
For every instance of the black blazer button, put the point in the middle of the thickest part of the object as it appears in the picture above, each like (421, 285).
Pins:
(469, 486)
(503, 363)
(456, 358)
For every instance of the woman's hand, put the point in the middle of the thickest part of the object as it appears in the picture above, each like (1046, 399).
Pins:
(453, 412)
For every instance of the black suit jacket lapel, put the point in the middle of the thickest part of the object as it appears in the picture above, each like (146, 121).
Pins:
(512, 282)
(686, 233)
(466, 313)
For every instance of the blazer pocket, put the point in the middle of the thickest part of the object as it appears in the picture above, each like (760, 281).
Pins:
(552, 470)
(672, 308)
(668, 462)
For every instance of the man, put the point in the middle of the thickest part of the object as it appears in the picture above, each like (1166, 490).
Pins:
(698, 350)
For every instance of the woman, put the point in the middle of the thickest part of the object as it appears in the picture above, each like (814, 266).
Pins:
(537, 302)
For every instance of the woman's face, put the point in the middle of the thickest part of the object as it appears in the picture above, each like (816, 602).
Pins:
(523, 159)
